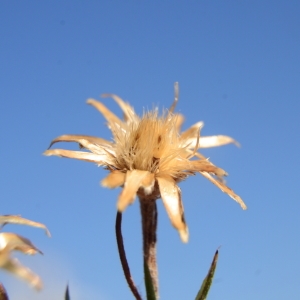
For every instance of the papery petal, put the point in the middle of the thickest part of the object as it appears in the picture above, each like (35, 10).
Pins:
(216, 140)
(13, 266)
(129, 114)
(103, 159)
(132, 183)
(11, 241)
(224, 188)
(206, 166)
(78, 138)
(13, 219)
(98, 149)
(114, 179)
(171, 197)
(107, 114)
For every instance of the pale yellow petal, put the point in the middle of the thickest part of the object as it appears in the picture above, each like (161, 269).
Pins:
(13, 219)
(108, 115)
(171, 197)
(148, 183)
(77, 138)
(104, 159)
(13, 266)
(216, 140)
(207, 166)
(132, 183)
(105, 150)
(225, 189)
(114, 179)
(128, 111)
(148, 180)
(179, 119)
(11, 241)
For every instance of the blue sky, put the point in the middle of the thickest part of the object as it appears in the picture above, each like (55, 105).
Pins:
(238, 66)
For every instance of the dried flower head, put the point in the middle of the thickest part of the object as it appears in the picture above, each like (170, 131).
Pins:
(149, 156)
(10, 242)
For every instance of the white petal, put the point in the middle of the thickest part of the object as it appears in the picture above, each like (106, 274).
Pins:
(216, 140)
(11, 241)
(12, 219)
(77, 138)
(171, 197)
(224, 188)
(13, 266)
(104, 159)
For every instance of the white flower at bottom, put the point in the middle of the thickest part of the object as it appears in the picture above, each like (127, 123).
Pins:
(10, 242)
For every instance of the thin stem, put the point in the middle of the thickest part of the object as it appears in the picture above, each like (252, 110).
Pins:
(123, 258)
(149, 226)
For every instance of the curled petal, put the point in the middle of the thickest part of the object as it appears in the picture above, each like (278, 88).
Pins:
(129, 114)
(13, 219)
(77, 138)
(103, 159)
(11, 241)
(114, 179)
(107, 114)
(132, 183)
(216, 140)
(171, 197)
(224, 188)
(13, 266)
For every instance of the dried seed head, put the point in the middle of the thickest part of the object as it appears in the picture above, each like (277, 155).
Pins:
(149, 156)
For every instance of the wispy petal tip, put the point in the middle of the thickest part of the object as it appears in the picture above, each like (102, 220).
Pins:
(184, 235)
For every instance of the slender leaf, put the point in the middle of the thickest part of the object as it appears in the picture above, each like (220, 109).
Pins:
(206, 284)
(67, 295)
(148, 283)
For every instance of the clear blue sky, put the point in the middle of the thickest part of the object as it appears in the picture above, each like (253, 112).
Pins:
(238, 66)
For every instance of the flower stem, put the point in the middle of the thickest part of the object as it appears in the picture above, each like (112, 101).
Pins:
(123, 258)
(149, 226)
